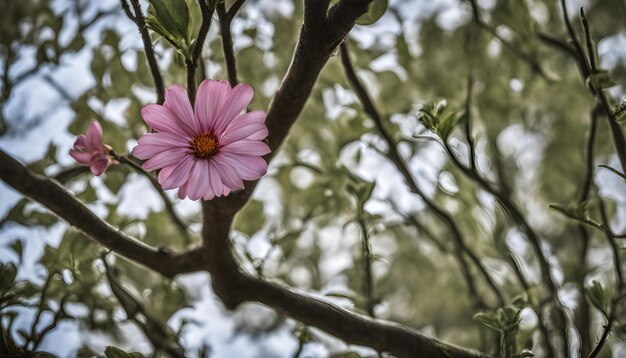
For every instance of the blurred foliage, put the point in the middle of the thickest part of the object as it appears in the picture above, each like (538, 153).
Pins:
(531, 118)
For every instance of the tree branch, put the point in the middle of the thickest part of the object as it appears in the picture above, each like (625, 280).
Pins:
(196, 53)
(227, 44)
(234, 8)
(139, 20)
(588, 67)
(169, 207)
(396, 158)
(66, 206)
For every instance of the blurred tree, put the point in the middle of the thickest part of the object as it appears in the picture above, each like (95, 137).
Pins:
(455, 167)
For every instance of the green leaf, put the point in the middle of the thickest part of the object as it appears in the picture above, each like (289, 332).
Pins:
(8, 271)
(375, 11)
(361, 190)
(601, 79)
(18, 247)
(170, 19)
(113, 352)
(435, 117)
(597, 296)
(489, 319)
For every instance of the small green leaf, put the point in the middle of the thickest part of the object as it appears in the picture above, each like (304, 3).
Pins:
(597, 297)
(436, 119)
(113, 352)
(8, 271)
(18, 248)
(601, 79)
(375, 11)
(489, 319)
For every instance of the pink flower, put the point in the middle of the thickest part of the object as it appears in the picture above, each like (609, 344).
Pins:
(89, 150)
(207, 151)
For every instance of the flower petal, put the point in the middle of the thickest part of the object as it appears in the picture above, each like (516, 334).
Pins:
(165, 159)
(182, 192)
(209, 195)
(177, 101)
(94, 135)
(236, 101)
(147, 151)
(99, 166)
(230, 177)
(209, 103)
(81, 142)
(260, 135)
(214, 180)
(162, 119)
(247, 147)
(198, 183)
(248, 167)
(179, 174)
(84, 158)
(244, 126)
(152, 144)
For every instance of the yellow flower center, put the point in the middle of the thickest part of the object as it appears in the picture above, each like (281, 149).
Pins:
(205, 145)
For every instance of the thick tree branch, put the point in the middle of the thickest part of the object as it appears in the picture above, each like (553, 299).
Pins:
(66, 206)
(235, 287)
(318, 40)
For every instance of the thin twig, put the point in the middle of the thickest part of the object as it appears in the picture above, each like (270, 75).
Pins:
(60, 314)
(50, 194)
(147, 45)
(583, 316)
(368, 282)
(227, 44)
(234, 8)
(515, 50)
(169, 207)
(619, 141)
(619, 279)
(41, 308)
(395, 157)
(468, 122)
(196, 53)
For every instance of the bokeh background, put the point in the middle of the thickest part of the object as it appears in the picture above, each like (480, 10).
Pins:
(65, 62)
